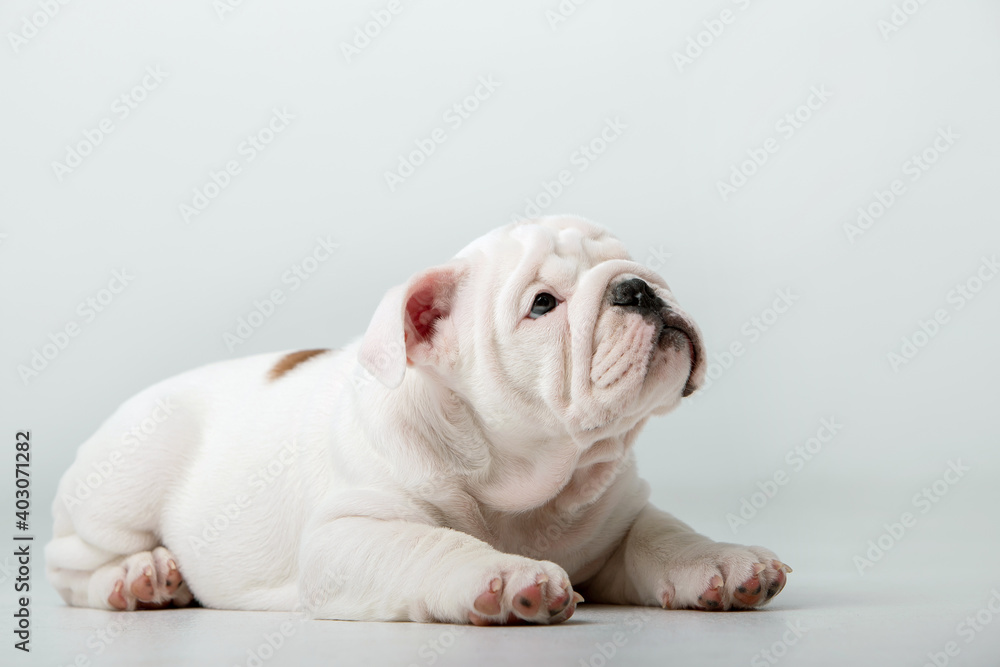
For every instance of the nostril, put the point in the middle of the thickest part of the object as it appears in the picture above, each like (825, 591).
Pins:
(633, 292)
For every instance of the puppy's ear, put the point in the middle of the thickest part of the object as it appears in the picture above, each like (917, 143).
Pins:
(406, 327)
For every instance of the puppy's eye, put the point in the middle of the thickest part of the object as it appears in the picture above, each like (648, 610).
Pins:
(544, 302)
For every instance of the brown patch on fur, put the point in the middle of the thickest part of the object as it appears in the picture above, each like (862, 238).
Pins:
(290, 361)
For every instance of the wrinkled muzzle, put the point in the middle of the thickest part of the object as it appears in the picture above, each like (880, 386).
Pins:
(641, 348)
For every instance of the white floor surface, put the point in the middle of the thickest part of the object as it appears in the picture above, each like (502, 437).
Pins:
(815, 621)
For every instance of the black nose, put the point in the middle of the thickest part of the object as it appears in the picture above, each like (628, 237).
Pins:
(635, 293)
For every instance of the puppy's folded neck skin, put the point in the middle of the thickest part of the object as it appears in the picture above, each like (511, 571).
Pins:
(445, 453)
(439, 445)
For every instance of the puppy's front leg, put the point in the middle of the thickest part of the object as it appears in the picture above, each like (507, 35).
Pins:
(663, 562)
(358, 568)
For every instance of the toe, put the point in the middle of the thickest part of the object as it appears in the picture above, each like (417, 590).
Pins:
(566, 612)
(559, 601)
(142, 587)
(117, 599)
(528, 601)
(488, 603)
(780, 578)
(174, 580)
(751, 591)
(667, 596)
(174, 577)
(711, 599)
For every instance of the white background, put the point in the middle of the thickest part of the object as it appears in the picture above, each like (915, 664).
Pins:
(656, 187)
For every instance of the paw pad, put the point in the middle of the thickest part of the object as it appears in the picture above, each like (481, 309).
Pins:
(712, 597)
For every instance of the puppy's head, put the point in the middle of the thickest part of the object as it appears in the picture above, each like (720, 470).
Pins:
(544, 328)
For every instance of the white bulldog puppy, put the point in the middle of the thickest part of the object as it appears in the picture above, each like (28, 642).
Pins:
(469, 460)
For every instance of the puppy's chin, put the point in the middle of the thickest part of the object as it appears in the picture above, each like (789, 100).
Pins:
(669, 371)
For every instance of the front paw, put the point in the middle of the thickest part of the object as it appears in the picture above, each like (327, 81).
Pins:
(720, 577)
(517, 590)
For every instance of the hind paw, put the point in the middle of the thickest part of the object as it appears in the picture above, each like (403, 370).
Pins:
(149, 580)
